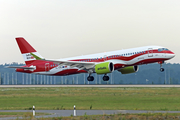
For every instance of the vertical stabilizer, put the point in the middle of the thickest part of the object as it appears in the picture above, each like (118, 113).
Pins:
(28, 52)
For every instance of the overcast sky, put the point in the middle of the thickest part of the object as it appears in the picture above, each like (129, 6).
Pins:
(68, 28)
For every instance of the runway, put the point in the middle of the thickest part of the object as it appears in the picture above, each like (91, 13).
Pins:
(105, 86)
(60, 113)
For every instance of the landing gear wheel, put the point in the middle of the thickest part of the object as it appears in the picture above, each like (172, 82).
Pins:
(90, 78)
(105, 78)
(162, 69)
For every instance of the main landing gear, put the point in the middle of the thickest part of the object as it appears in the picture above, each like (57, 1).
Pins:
(91, 78)
(105, 77)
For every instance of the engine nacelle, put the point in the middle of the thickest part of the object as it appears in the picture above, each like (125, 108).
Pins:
(130, 69)
(103, 68)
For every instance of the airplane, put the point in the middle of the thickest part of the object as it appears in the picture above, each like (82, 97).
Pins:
(125, 61)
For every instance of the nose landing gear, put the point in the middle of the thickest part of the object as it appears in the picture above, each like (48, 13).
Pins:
(161, 69)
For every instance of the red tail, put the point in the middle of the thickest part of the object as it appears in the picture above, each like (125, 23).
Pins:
(27, 51)
(24, 46)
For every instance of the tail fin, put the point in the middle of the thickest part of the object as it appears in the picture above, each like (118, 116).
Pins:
(28, 52)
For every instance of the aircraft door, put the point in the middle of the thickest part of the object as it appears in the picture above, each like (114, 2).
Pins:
(164, 51)
(47, 67)
(105, 57)
(150, 52)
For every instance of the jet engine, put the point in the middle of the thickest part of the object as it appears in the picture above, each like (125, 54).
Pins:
(104, 68)
(129, 69)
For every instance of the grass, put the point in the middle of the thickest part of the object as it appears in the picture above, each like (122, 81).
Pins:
(90, 98)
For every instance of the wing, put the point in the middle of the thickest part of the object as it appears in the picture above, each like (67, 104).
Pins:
(80, 65)
(29, 68)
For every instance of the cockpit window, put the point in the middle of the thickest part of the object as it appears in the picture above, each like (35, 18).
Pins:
(166, 49)
(162, 49)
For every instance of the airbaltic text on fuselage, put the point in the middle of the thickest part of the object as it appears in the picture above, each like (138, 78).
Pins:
(101, 68)
(29, 56)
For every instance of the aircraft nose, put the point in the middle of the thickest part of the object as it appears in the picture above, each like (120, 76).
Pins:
(172, 55)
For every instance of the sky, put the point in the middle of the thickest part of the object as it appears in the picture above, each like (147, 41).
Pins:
(67, 28)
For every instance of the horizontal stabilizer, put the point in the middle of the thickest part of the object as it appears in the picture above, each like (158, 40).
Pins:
(30, 68)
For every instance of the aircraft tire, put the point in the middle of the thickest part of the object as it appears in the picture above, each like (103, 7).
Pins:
(162, 69)
(105, 78)
(90, 78)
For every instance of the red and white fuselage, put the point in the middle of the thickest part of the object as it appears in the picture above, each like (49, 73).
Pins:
(120, 59)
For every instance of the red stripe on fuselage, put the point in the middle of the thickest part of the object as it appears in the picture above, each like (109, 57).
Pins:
(124, 58)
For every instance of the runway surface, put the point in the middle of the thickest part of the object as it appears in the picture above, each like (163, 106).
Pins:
(110, 86)
(60, 113)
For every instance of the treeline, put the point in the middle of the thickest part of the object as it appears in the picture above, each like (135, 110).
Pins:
(147, 74)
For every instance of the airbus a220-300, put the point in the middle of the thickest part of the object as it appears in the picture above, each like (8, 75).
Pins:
(125, 61)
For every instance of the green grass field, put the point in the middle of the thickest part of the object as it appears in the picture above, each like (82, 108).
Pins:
(90, 98)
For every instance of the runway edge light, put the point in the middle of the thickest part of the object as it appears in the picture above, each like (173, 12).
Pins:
(74, 110)
(33, 110)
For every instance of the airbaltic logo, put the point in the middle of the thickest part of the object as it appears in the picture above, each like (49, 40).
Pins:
(29, 56)
(101, 68)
